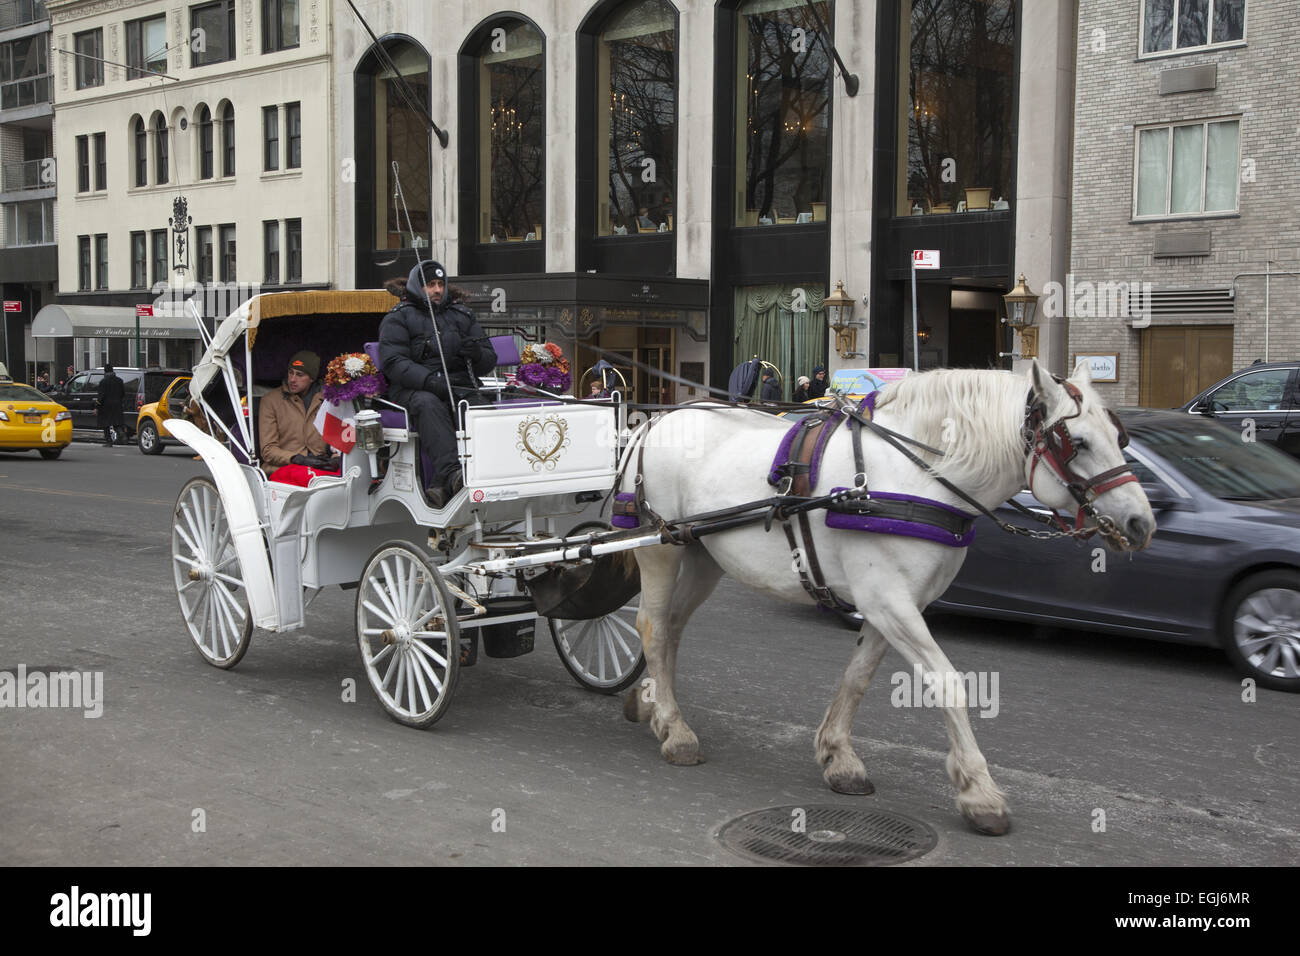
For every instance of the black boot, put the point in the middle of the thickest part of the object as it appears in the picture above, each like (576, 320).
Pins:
(440, 494)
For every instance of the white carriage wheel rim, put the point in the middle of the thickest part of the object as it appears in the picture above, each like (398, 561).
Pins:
(604, 649)
(412, 675)
(212, 605)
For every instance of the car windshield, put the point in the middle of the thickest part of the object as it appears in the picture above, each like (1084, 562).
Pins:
(1220, 462)
(20, 393)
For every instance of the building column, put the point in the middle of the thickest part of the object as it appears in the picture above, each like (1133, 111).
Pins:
(1044, 163)
(852, 144)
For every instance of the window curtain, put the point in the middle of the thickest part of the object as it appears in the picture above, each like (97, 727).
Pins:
(1188, 150)
(766, 326)
(1153, 157)
(1221, 167)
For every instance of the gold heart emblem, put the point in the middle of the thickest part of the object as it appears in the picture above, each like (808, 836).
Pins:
(534, 432)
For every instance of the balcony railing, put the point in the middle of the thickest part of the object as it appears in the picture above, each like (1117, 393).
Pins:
(26, 92)
(19, 13)
(33, 174)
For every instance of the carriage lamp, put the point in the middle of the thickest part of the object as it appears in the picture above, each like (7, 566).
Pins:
(839, 313)
(1022, 302)
(370, 436)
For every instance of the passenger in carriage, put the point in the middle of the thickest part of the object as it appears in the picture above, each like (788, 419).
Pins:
(285, 421)
(409, 359)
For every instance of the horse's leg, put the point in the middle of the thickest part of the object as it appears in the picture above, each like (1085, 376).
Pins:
(980, 800)
(674, 582)
(845, 772)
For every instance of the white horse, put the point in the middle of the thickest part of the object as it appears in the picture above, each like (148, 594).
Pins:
(976, 418)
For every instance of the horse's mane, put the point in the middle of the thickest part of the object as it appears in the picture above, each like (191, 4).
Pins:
(972, 415)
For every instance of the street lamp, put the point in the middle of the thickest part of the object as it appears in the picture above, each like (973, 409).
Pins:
(1022, 302)
(839, 313)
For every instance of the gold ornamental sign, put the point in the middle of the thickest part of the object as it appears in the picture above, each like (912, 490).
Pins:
(542, 440)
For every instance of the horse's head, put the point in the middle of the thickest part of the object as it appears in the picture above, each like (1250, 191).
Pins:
(1075, 462)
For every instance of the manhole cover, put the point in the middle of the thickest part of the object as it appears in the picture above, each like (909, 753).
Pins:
(827, 836)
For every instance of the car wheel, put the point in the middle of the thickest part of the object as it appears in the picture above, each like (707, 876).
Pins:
(147, 439)
(1261, 629)
(49, 454)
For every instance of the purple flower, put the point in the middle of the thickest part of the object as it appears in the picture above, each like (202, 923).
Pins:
(532, 374)
(354, 389)
(556, 380)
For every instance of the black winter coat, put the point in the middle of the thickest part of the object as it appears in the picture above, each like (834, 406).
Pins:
(108, 399)
(771, 391)
(408, 349)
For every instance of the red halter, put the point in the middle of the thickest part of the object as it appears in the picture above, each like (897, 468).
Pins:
(1056, 448)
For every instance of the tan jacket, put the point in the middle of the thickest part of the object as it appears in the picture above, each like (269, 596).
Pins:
(285, 427)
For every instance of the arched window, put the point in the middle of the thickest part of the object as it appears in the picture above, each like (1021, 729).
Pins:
(511, 109)
(228, 140)
(159, 124)
(636, 141)
(783, 113)
(140, 151)
(205, 142)
(391, 128)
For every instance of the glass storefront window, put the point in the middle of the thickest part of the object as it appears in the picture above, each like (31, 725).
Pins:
(511, 150)
(783, 114)
(956, 115)
(637, 135)
(401, 136)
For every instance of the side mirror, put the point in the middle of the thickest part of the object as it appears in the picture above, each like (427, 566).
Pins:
(1159, 497)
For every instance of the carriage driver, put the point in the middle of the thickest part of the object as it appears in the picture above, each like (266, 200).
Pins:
(285, 420)
(409, 359)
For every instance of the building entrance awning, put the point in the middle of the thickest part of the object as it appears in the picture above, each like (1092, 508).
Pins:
(106, 321)
(581, 304)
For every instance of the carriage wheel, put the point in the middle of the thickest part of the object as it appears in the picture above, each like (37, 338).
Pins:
(408, 634)
(209, 581)
(603, 654)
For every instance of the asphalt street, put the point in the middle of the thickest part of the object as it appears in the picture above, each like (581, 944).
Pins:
(268, 764)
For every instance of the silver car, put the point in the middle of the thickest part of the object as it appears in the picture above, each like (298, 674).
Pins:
(1223, 568)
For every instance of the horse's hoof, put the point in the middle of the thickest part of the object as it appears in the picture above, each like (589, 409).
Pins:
(989, 824)
(683, 755)
(850, 783)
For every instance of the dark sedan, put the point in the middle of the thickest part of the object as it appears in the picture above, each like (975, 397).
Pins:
(1223, 568)
(1261, 402)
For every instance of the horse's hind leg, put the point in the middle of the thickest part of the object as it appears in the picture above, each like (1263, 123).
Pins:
(845, 772)
(980, 800)
(674, 582)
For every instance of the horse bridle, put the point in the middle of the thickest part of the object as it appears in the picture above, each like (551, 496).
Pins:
(1054, 446)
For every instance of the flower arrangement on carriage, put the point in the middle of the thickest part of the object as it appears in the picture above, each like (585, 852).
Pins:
(544, 366)
(352, 376)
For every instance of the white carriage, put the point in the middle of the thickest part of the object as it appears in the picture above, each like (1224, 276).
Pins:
(433, 586)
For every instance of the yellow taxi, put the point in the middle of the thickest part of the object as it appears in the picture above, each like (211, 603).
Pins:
(29, 421)
(151, 422)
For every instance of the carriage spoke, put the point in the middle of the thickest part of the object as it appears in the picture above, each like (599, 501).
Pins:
(428, 669)
(430, 653)
(385, 616)
(412, 598)
(383, 589)
(392, 665)
(375, 659)
(392, 591)
(410, 682)
(418, 667)
(189, 542)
